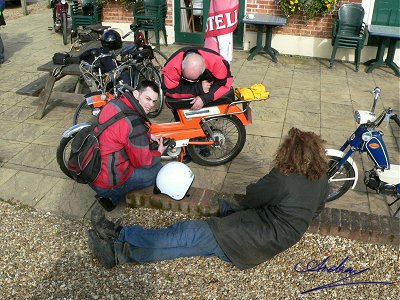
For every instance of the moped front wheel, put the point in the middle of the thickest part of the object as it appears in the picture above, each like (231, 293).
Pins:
(64, 28)
(83, 113)
(229, 135)
(63, 151)
(341, 181)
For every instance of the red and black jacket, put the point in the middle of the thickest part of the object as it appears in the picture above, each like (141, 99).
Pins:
(217, 71)
(124, 145)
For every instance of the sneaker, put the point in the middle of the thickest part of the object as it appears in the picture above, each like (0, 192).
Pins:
(103, 250)
(103, 227)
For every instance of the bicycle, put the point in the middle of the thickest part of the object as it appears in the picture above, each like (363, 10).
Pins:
(103, 85)
(140, 41)
(93, 33)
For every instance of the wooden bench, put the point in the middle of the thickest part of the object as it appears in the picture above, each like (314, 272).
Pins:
(47, 91)
(34, 88)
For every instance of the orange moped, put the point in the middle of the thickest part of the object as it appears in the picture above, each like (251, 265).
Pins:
(212, 136)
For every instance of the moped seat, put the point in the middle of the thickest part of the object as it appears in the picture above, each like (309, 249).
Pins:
(174, 103)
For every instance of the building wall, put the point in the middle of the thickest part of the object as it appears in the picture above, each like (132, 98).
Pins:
(298, 37)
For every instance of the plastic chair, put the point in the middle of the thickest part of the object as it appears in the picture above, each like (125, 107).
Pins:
(151, 15)
(82, 17)
(349, 31)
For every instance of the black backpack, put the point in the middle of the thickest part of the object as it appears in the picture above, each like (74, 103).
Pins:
(84, 162)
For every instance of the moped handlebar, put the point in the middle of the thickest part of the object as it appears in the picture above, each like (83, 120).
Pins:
(396, 119)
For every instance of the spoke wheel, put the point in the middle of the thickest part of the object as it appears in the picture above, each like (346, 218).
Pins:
(230, 136)
(83, 113)
(148, 72)
(341, 186)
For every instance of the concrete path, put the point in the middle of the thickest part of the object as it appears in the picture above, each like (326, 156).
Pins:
(304, 93)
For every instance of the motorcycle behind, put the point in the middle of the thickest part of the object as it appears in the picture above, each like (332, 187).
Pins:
(384, 177)
(60, 17)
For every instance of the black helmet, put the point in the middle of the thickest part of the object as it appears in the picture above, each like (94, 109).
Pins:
(111, 39)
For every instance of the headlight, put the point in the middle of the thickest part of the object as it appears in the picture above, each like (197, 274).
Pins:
(366, 136)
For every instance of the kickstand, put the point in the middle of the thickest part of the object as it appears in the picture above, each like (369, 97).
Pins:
(394, 203)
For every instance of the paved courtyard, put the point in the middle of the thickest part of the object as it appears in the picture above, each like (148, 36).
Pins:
(304, 93)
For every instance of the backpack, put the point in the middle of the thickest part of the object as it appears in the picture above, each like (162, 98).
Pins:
(84, 163)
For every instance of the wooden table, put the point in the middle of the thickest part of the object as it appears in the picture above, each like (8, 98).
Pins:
(388, 37)
(261, 21)
(44, 96)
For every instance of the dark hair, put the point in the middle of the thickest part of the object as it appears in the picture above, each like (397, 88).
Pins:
(304, 153)
(147, 83)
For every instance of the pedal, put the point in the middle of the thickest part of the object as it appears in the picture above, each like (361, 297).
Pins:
(50, 28)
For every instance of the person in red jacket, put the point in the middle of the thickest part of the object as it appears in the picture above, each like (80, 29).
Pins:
(196, 72)
(127, 161)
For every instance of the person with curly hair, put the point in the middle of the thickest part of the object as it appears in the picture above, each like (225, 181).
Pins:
(272, 217)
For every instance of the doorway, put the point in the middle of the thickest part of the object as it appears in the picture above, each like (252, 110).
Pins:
(191, 19)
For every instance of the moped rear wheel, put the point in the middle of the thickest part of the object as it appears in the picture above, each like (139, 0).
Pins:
(338, 188)
(63, 151)
(230, 134)
(64, 28)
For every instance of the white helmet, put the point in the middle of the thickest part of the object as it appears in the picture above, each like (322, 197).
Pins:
(174, 179)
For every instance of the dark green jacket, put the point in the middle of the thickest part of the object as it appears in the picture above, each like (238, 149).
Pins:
(277, 212)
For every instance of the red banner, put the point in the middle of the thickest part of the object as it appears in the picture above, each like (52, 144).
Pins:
(222, 17)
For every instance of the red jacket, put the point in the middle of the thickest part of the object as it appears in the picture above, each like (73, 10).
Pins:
(217, 71)
(124, 146)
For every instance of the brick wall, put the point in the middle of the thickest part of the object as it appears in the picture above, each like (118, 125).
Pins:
(116, 13)
(318, 27)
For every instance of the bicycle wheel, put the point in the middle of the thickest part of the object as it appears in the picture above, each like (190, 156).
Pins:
(159, 60)
(229, 135)
(83, 113)
(340, 182)
(149, 72)
(64, 28)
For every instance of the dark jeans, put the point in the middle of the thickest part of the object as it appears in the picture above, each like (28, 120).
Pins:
(182, 239)
(140, 179)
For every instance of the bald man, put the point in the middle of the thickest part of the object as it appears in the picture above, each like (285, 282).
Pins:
(200, 73)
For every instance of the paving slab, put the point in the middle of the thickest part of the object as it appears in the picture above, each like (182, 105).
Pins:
(29, 188)
(304, 93)
(68, 197)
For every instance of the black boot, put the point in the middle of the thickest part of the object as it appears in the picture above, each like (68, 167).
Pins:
(104, 228)
(103, 250)
(106, 203)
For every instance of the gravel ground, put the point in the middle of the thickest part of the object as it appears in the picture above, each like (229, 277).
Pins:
(13, 11)
(45, 256)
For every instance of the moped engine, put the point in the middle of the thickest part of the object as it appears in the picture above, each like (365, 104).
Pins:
(173, 152)
(372, 181)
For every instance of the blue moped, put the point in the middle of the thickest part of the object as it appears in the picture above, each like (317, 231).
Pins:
(384, 177)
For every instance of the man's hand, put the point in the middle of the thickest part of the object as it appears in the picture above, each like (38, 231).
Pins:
(197, 103)
(206, 86)
(161, 147)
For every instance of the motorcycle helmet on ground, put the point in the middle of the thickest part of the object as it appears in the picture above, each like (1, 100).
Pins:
(111, 39)
(174, 179)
